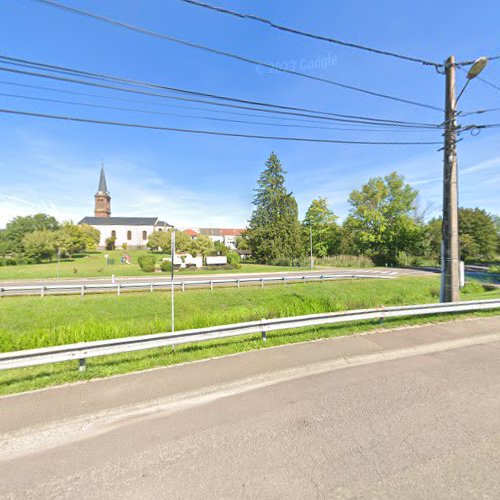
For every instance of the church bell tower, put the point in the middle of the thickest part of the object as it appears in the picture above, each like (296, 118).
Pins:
(102, 198)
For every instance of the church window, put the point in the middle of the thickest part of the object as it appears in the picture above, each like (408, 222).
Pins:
(144, 235)
(113, 234)
(129, 235)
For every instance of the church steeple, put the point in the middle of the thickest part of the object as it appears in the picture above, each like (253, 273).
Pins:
(102, 197)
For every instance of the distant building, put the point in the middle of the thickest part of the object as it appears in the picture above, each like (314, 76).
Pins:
(224, 235)
(134, 231)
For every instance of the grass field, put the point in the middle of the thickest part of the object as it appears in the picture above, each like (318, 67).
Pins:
(29, 322)
(94, 265)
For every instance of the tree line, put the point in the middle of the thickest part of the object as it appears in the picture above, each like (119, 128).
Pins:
(384, 224)
(34, 238)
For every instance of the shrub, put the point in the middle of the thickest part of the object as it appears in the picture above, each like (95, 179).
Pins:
(110, 243)
(147, 263)
(166, 266)
(473, 287)
(345, 261)
(233, 259)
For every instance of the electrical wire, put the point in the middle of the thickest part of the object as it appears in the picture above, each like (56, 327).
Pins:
(245, 122)
(323, 38)
(162, 36)
(105, 77)
(210, 132)
(188, 99)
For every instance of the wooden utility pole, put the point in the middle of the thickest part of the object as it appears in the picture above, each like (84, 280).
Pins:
(450, 277)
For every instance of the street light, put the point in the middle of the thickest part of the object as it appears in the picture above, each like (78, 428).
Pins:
(475, 70)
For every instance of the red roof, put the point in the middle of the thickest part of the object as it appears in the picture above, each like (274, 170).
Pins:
(231, 232)
(191, 232)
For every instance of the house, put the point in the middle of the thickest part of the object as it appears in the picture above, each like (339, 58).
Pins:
(134, 231)
(223, 235)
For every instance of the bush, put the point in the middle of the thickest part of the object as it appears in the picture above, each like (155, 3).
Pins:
(110, 243)
(473, 287)
(147, 263)
(166, 266)
(233, 259)
(345, 261)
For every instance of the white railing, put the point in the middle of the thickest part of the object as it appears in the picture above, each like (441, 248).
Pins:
(83, 350)
(81, 289)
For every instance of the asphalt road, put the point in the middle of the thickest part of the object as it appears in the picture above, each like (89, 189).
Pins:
(413, 413)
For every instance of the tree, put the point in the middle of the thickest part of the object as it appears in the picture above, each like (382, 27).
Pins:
(202, 245)
(39, 245)
(274, 230)
(477, 232)
(162, 239)
(383, 218)
(91, 236)
(70, 239)
(110, 243)
(241, 242)
(322, 223)
(19, 227)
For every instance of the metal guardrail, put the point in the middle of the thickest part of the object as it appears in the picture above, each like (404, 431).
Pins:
(83, 350)
(42, 290)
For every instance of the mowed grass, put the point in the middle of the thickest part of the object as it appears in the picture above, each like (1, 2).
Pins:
(93, 265)
(30, 322)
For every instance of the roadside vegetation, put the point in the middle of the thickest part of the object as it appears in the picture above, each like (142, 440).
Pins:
(30, 322)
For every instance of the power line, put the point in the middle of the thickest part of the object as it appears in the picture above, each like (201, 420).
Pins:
(188, 99)
(105, 77)
(306, 34)
(210, 132)
(245, 122)
(162, 36)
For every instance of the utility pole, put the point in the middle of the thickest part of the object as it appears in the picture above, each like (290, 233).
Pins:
(172, 254)
(311, 244)
(450, 271)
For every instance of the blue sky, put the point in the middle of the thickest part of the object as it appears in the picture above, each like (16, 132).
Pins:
(191, 180)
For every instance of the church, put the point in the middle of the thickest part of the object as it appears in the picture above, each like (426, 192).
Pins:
(134, 231)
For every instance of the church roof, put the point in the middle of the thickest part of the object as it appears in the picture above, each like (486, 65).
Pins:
(103, 188)
(123, 221)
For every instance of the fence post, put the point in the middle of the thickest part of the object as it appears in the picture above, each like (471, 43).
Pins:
(82, 291)
(82, 366)
(264, 336)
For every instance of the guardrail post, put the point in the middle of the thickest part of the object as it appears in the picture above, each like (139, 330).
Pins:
(264, 336)
(211, 285)
(82, 291)
(381, 319)
(322, 279)
(82, 366)
(42, 291)
(238, 283)
(151, 287)
(284, 280)
(1, 291)
(118, 289)
(262, 282)
(183, 287)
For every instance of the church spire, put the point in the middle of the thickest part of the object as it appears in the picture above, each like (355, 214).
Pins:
(102, 197)
(103, 188)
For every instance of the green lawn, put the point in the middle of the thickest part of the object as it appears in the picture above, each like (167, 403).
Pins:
(93, 265)
(29, 322)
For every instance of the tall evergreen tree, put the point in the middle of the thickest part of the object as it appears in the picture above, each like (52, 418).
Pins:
(274, 228)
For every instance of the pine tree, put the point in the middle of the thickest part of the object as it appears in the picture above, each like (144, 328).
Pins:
(274, 229)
